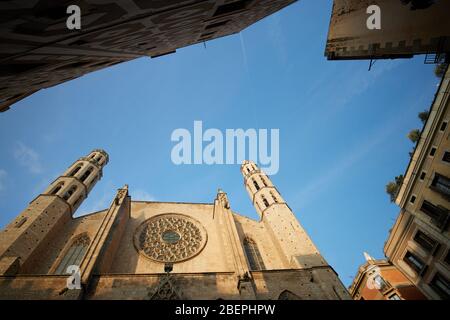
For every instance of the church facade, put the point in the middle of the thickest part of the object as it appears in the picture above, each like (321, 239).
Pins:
(160, 250)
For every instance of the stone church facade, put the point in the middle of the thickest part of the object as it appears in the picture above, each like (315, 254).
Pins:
(160, 250)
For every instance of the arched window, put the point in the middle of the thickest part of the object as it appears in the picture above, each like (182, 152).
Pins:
(74, 254)
(273, 197)
(69, 193)
(93, 156)
(253, 256)
(74, 171)
(266, 203)
(86, 174)
(288, 295)
(255, 184)
(57, 188)
(263, 181)
(94, 180)
(78, 200)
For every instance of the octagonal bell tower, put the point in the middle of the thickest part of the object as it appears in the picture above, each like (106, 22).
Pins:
(281, 223)
(25, 239)
(288, 236)
(79, 179)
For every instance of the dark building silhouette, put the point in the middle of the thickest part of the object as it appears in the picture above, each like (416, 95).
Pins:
(38, 50)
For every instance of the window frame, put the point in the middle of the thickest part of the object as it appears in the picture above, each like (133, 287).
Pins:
(424, 173)
(434, 244)
(59, 186)
(434, 153)
(253, 255)
(75, 170)
(439, 184)
(256, 184)
(419, 271)
(443, 156)
(85, 177)
(441, 293)
(439, 217)
(74, 254)
(395, 294)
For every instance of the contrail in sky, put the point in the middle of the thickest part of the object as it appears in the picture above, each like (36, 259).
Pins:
(244, 53)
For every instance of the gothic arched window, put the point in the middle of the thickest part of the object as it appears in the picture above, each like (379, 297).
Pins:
(86, 174)
(253, 255)
(57, 188)
(74, 254)
(78, 200)
(263, 181)
(288, 295)
(255, 184)
(273, 197)
(266, 203)
(69, 193)
(74, 172)
(93, 180)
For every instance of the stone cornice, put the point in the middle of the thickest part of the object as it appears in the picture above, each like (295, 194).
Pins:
(431, 126)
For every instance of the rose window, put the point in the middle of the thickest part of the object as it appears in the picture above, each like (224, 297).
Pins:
(170, 238)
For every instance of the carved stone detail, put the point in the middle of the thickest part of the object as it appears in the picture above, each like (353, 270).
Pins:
(150, 242)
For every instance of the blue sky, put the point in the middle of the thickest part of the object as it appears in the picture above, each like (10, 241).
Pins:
(342, 129)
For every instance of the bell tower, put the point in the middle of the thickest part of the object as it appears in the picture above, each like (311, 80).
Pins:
(79, 179)
(283, 227)
(27, 236)
(296, 249)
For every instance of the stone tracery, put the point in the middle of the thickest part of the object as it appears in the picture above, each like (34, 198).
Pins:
(150, 242)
